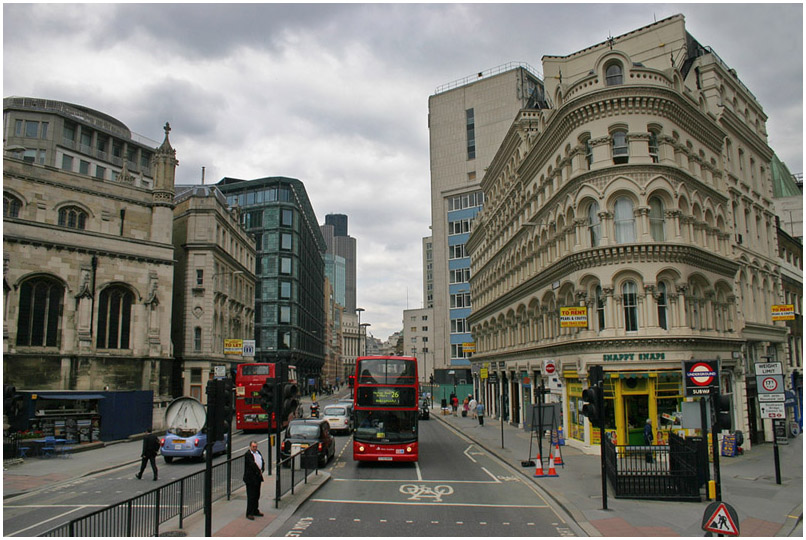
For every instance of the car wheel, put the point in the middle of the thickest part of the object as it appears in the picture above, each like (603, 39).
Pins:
(168, 459)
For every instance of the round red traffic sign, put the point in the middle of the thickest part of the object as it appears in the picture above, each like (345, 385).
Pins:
(769, 384)
(701, 374)
(550, 369)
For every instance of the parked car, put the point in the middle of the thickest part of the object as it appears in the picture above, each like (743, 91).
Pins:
(186, 436)
(339, 418)
(302, 433)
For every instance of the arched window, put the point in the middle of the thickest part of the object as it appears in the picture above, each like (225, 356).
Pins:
(624, 220)
(621, 151)
(630, 301)
(614, 74)
(11, 205)
(594, 226)
(657, 225)
(73, 217)
(600, 308)
(114, 318)
(662, 303)
(39, 312)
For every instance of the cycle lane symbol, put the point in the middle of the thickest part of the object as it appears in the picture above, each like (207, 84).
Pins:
(418, 492)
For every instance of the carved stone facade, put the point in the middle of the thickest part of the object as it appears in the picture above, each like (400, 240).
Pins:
(88, 259)
(644, 195)
(214, 288)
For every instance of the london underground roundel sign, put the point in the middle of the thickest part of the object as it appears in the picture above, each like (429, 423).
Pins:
(700, 376)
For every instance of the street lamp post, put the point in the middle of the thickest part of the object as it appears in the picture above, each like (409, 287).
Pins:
(364, 326)
(359, 310)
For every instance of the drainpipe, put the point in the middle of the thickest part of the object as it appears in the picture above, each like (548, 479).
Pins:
(92, 311)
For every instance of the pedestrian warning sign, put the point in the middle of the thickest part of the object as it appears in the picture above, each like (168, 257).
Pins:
(721, 518)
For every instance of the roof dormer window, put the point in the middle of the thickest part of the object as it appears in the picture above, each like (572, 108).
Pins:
(614, 74)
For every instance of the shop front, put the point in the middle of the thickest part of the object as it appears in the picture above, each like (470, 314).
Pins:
(637, 387)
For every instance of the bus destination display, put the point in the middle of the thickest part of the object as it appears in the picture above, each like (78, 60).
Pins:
(378, 396)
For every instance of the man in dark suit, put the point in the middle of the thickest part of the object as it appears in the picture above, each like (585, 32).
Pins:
(151, 447)
(254, 465)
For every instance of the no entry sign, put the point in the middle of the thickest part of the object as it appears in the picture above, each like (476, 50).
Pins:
(700, 376)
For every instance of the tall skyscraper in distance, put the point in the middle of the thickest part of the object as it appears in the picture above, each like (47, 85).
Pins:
(341, 244)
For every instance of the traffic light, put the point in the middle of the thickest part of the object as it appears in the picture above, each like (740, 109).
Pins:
(228, 408)
(214, 410)
(723, 412)
(592, 407)
(219, 409)
(290, 399)
(267, 395)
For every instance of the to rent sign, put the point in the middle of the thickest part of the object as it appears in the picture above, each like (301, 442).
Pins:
(783, 312)
(574, 317)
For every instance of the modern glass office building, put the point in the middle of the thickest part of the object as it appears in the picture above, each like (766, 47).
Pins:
(290, 270)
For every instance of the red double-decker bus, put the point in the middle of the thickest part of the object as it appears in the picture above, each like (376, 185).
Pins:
(249, 379)
(386, 412)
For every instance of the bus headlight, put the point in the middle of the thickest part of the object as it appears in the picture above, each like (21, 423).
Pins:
(408, 449)
(360, 448)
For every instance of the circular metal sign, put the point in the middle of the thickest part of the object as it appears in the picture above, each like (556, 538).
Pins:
(701, 374)
(550, 368)
(769, 384)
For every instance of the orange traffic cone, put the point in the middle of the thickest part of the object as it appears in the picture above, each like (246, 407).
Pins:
(558, 458)
(552, 467)
(539, 470)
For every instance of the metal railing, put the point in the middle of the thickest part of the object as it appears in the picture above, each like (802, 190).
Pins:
(144, 514)
(662, 472)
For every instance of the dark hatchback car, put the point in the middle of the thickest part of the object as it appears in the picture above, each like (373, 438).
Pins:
(303, 433)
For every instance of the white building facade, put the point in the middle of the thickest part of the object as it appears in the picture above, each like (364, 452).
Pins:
(642, 197)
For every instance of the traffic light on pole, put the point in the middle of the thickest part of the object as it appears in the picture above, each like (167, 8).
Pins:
(290, 399)
(228, 408)
(592, 407)
(267, 395)
(215, 410)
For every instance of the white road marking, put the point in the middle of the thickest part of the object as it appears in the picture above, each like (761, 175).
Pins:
(419, 472)
(45, 521)
(345, 501)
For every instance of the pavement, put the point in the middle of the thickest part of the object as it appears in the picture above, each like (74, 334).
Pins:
(748, 485)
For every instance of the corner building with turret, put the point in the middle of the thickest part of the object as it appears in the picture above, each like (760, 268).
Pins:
(642, 194)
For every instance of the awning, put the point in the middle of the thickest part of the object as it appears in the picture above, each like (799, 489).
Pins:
(70, 396)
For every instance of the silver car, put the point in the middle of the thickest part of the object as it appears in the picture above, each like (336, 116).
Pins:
(339, 418)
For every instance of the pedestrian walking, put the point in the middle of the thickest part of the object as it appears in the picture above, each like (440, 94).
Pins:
(252, 477)
(465, 406)
(151, 448)
(648, 438)
(480, 413)
(454, 403)
(472, 407)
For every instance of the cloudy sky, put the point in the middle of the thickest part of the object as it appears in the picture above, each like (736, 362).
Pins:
(336, 95)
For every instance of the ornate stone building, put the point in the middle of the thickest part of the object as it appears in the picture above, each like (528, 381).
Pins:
(87, 252)
(642, 195)
(214, 287)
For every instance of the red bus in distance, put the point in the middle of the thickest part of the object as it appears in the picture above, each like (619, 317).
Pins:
(249, 379)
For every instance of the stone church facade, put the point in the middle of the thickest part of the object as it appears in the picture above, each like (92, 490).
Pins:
(87, 252)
